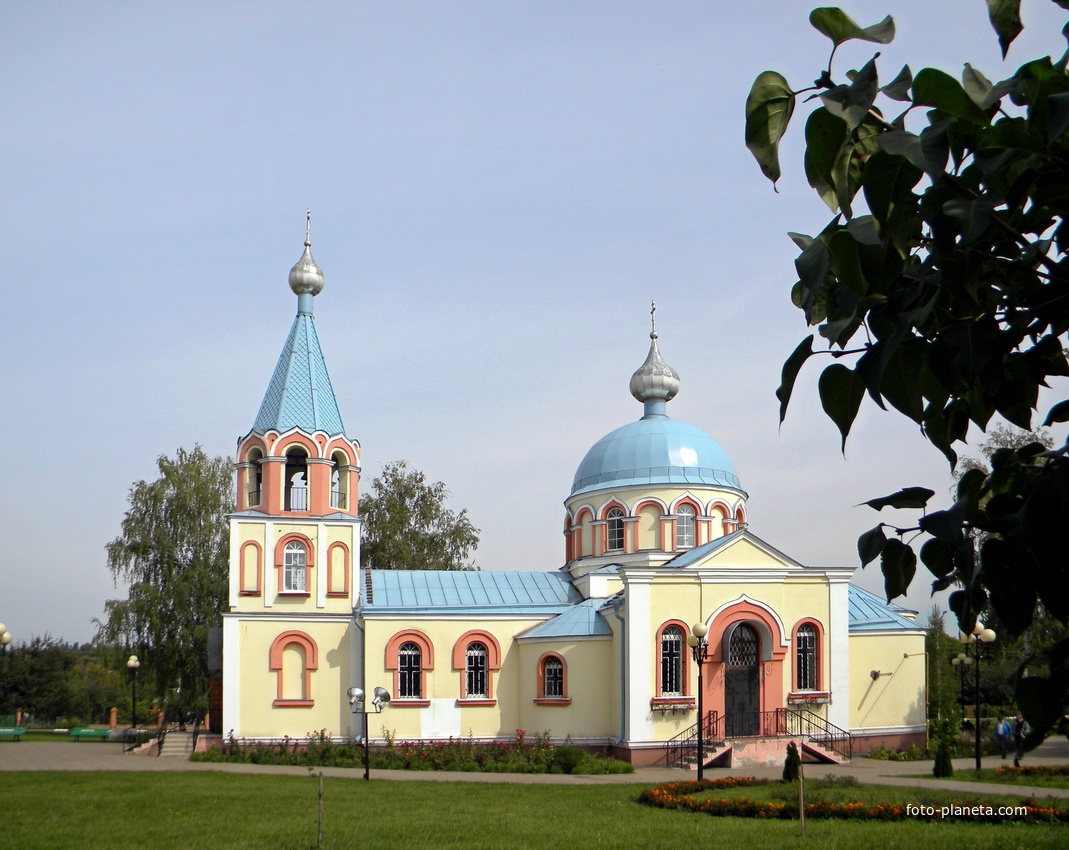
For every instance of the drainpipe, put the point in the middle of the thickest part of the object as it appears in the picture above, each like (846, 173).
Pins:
(616, 605)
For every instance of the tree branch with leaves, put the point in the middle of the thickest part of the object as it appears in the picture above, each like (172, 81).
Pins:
(941, 290)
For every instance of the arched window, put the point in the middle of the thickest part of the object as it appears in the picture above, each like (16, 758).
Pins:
(685, 527)
(672, 661)
(553, 677)
(614, 530)
(475, 656)
(295, 568)
(254, 479)
(409, 672)
(807, 676)
(410, 656)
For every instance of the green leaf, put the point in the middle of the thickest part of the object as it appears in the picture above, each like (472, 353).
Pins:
(898, 88)
(976, 85)
(974, 215)
(802, 240)
(769, 107)
(837, 26)
(825, 135)
(938, 557)
(841, 391)
(945, 525)
(791, 368)
(899, 565)
(1005, 17)
(852, 103)
(910, 497)
(870, 545)
(935, 88)
(1057, 115)
(1058, 413)
(1040, 700)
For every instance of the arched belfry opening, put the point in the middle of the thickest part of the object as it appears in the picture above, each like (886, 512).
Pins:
(296, 481)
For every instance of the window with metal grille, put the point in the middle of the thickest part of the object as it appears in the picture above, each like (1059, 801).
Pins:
(684, 527)
(295, 568)
(806, 647)
(615, 530)
(409, 679)
(672, 661)
(476, 670)
(553, 677)
(742, 651)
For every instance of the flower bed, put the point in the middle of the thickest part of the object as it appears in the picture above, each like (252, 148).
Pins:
(683, 795)
(1037, 770)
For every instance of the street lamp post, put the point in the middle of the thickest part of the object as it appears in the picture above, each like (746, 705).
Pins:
(975, 650)
(132, 664)
(356, 705)
(5, 642)
(699, 650)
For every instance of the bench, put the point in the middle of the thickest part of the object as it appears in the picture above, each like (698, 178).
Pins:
(12, 732)
(85, 732)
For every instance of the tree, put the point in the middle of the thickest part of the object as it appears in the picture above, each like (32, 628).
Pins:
(408, 527)
(947, 298)
(174, 554)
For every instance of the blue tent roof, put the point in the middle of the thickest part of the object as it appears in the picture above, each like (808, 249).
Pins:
(300, 394)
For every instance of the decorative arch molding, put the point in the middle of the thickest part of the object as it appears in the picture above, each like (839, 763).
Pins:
(603, 512)
(280, 548)
(662, 507)
(255, 586)
(687, 499)
(719, 505)
(311, 664)
(745, 608)
(252, 443)
(493, 649)
(296, 439)
(340, 444)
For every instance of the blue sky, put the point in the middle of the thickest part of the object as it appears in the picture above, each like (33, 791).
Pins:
(498, 190)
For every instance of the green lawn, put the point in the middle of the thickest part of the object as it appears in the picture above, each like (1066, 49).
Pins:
(1009, 779)
(182, 810)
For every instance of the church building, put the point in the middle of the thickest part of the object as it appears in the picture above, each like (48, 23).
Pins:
(666, 603)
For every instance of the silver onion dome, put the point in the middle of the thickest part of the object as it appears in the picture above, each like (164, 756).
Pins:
(306, 277)
(654, 380)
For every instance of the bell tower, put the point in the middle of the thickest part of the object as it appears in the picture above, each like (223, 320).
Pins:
(294, 542)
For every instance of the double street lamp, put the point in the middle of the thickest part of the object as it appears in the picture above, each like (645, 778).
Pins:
(975, 650)
(699, 650)
(356, 704)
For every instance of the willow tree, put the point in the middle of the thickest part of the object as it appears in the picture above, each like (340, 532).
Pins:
(173, 555)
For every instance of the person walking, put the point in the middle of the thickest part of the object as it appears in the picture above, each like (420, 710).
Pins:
(1002, 735)
(1020, 731)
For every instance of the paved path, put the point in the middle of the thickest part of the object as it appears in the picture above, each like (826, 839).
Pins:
(91, 755)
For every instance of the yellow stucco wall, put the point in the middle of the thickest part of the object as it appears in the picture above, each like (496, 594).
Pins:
(590, 676)
(897, 697)
(258, 716)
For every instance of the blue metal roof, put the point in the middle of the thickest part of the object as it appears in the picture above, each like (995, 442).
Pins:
(300, 394)
(454, 591)
(870, 613)
(580, 620)
(655, 450)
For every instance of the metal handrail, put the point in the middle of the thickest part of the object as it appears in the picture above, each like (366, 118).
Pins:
(683, 748)
(777, 723)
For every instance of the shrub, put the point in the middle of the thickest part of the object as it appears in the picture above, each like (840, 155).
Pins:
(792, 764)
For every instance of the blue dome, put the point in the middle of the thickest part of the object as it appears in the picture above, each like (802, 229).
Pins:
(655, 450)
